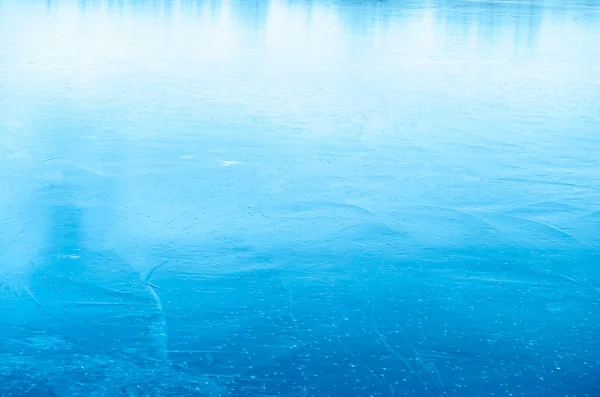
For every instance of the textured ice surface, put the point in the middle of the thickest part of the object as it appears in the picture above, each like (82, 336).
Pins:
(303, 198)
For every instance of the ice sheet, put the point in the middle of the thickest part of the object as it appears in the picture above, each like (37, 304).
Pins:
(299, 198)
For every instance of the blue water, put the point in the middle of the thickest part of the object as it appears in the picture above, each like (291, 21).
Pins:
(299, 198)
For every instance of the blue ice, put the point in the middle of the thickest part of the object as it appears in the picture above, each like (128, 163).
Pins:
(299, 198)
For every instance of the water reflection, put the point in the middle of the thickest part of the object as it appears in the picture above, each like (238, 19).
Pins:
(489, 19)
(487, 14)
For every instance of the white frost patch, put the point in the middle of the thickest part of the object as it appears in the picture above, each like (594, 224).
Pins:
(228, 163)
(69, 256)
(187, 156)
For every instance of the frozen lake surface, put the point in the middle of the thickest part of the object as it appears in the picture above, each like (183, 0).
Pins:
(299, 198)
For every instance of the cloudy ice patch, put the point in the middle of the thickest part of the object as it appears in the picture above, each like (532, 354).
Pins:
(228, 163)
